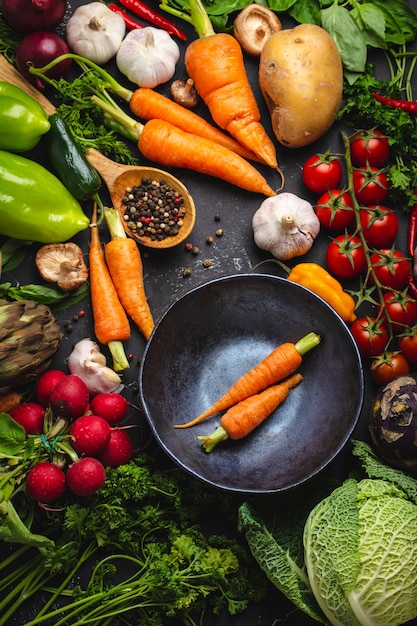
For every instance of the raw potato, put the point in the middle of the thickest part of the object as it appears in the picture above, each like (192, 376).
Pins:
(301, 78)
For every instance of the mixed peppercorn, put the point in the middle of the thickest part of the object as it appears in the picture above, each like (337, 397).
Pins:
(153, 209)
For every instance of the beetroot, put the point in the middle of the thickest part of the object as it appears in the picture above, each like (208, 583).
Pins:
(86, 476)
(91, 434)
(46, 383)
(45, 482)
(119, 450)
(69, 398)
(113, 407)
(30, 415)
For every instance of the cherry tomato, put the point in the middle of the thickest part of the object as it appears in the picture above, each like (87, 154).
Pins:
(369, 146)
(385, 369)
(408, 345)
(345, 256)
(400, 309)
(335, 209)
(391, 267)
(379, 226)
(370, 185)
(371, 335)
(321, 172)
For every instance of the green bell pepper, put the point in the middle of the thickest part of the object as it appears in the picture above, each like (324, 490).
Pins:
(34, 204)
(22, 120)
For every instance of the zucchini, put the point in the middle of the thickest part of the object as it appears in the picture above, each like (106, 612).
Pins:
(69, 161)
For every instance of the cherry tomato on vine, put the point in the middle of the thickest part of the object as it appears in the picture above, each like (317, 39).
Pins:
(379, 225)
(400, 308)
(371, 335)
(321, 172)
(385, 369)
(335, 209)
(370, 185)
(407, 343)
(391, 267)
(369, 146)
(345, 256)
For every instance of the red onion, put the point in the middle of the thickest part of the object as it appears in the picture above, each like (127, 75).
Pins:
(28, 16)
(39, 49)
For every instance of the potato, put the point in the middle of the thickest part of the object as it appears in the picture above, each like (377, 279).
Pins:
(301, 79)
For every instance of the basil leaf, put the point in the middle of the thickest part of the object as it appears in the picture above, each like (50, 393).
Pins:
(42, 294)
(401, 20)
(13, 252)
(349, 38)
(307, 12)
(12, 436)
(371, 20)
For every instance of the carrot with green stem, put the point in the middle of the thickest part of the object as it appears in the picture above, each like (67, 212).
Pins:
(126, 270)
(111, 325)
(277, 365)
(215, 63)
(242, 418)
(148, 104)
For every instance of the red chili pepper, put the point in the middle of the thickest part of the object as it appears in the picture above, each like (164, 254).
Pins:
(142, 10)
(409, 106)
(131, 24)
(412, 229)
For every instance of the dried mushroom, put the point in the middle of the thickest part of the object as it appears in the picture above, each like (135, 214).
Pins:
(63, 264)
(253, 25)
(184, 93)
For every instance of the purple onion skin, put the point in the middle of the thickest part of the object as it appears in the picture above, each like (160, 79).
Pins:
(28, 16)
(393, 423)
(38, 49)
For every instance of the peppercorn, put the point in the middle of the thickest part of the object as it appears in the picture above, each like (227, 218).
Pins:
(217, 217)
(219, 232)
(188, 246)
(207, 262)
(186, 272)
(209, 239)
(195, 250)
(153, 209)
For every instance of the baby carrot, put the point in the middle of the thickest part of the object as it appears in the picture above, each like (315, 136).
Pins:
(125, 267)
(276, 366)
(242, 418)
(111, 325)
(148, 104)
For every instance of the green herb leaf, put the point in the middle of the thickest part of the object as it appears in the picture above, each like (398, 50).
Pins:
(13, 253)
(349, 38)
(12, 436)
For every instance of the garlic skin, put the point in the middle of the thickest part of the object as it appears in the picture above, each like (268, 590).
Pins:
(148, 56)
(95, 32)
(285, 225)
(88, 363)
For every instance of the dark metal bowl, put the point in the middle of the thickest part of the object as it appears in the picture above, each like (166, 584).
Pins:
(214, 334)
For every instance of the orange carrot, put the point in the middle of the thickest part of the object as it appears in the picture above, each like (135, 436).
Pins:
(111, 325)
(215, 63)
(276, 366)
(149, 104)
(242, 418)
(125, 267)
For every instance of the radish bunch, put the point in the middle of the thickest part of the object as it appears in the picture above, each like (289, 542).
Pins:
(75, 437)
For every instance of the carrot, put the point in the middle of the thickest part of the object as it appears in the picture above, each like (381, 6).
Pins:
(276, 366)
(126, 270)
(149, 104)
(242, 418)
(111, 325)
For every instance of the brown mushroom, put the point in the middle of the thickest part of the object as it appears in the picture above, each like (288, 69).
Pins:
(253, 25)
(184, 93)
(63, 264)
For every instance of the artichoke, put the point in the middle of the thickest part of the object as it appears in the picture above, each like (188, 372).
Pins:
(29, 338)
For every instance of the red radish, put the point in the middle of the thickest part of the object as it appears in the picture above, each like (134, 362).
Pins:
(86, 476)
(113, 407)
(119, 450)
(91, 434)
(46, 383)
(45, 482)
(69, 398)
(30, 415)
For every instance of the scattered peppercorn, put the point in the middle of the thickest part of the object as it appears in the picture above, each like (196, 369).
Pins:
(209, 239)
(219, 232)
(153, 209)
(207, 262)
(195, 250)
(217, 217)
(68, 326)
(186, 272)
(81, 313)
(188, 246)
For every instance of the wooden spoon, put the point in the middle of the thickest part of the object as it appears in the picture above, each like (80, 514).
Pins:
(119, 177)
(116, 176)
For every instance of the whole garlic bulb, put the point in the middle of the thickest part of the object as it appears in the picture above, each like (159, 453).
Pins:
(148, 56)
(285, 225)
(95, 32)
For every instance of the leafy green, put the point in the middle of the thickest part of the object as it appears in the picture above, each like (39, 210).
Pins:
(53, 296)
(13, 252)
(352, 559)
